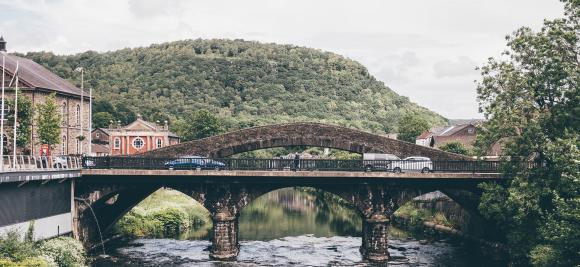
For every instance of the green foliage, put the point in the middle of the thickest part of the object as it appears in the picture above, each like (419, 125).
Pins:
(530, 98)
(102, 119)
(455, 147)
(244, 83)
(25, 114)
(12, 247)
(411, 126)
(61, 251)
(165, 212)
(65, 251)
(199, 124)
(418, 216)
(48, 120)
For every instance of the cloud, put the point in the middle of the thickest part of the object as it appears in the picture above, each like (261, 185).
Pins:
(462, 66)
(413, 46)
(154, 8)
(396, 68)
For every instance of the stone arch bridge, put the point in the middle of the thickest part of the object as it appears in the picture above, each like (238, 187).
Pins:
(300, 134)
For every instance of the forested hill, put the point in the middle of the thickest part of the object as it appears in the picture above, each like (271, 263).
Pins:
(245, 83)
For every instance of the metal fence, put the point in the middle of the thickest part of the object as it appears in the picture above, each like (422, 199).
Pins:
(31, 163)
(189, 163)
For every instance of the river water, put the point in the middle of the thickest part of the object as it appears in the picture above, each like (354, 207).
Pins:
(297, 227)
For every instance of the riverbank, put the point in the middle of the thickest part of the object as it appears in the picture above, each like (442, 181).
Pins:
(165, 213)
(434, 224)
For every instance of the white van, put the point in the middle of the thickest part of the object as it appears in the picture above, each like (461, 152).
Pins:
(378, 161)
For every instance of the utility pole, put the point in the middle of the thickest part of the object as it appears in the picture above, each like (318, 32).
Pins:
(90, 121)
(82, 71)
(2, 116)
(15, 117)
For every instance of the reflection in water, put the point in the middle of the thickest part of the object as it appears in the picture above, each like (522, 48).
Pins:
(292, 227)
(289, 212)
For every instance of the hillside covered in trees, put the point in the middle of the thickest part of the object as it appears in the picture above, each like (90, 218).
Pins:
(244, 83)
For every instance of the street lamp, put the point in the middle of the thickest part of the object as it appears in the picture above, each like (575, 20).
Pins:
(81, 137)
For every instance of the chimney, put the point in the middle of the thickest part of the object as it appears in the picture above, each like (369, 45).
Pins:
(2, 44)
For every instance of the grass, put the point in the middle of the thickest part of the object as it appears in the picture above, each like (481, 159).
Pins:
(165, 212)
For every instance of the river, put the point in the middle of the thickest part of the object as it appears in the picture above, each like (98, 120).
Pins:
(298, 227)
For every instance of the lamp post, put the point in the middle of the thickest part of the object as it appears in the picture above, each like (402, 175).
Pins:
(81, 137)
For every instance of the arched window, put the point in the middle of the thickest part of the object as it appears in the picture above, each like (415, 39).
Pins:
(138, 143)
(117, 143)
(159, 142)
(64, 112)
(78, 114)
(63, 145)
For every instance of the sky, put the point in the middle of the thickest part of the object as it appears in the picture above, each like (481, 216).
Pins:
(426, 50)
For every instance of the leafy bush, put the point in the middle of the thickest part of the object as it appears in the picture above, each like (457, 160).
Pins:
(164, 212)
(65, 251)
(13, 248)
(455, 147)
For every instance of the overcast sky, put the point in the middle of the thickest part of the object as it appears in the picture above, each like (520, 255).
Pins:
(426, 50)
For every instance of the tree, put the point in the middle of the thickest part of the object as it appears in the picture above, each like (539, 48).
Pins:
(530, 98)
(25, 114)
(102, 119)
(455, 147)
(48, 120)
(199, 124)
(411, 126)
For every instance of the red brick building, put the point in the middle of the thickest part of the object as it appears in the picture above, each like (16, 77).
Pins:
(463, 133)
(138, 137)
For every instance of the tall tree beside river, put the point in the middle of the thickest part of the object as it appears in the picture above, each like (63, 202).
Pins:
(530, 97)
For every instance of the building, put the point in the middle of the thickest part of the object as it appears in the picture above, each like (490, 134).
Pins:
(436, 137)
(138, 137)
(36, 83)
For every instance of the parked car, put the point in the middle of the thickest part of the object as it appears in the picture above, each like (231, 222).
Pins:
(378, 161)
(194, 162)
(422, 164)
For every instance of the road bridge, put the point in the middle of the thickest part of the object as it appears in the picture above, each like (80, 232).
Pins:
(111, 186)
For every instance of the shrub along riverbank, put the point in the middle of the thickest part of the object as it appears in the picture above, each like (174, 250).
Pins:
(16, 251)
(164, 213)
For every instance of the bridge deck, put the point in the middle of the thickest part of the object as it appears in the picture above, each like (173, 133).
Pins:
(291, 174)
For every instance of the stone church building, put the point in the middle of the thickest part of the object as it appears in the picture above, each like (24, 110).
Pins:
(36, 83)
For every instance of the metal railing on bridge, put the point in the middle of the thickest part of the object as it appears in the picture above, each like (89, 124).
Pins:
(200, 163)
(40, 163)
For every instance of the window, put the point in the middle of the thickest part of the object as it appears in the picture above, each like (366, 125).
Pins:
(117, 143)
(64, 112)
(470, 130)
(78, 115)
(78, 146)
(63, 145)
(138, 143)
(97, 135)
(159, 142)
(5, 143)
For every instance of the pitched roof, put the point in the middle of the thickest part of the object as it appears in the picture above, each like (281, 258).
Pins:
(37, 76)
(451, 130)
(104, 130)
(140, 124)
(424, 135)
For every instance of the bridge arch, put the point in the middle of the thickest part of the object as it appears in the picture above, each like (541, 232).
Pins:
(300, 134)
